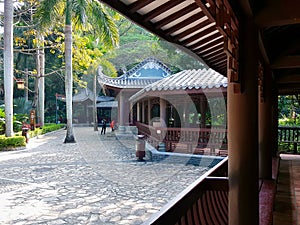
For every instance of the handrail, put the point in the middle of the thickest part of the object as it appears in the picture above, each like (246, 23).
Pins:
(288, 134)
(196, 137)
(205, 200)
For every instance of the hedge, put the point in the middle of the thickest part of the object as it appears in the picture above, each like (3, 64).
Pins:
(10, 143)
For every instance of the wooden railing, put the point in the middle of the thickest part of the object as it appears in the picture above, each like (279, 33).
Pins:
(289, 135)
(190, 137)
(204, 202)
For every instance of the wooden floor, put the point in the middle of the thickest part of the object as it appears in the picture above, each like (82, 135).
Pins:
(287, 200)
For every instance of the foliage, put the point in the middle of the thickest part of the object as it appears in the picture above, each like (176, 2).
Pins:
(21, 106)
(8, 143)
(51, 127)
(289, 110)
(140, 44)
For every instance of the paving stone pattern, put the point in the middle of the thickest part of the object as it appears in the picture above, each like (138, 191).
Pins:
(96, 180)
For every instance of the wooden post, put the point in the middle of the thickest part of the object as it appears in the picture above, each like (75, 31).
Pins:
(265, 124)
(274, 123)
(162, 112)
(243, 132)
(122, 109)
(149, 111)
(143, 112)
(138, 112)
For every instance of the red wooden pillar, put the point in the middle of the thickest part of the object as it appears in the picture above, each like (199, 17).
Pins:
(243, 132)
(143, 112)
(122, 109)
(149, 111)
(162, 112)
(138, 111)
(265, 124)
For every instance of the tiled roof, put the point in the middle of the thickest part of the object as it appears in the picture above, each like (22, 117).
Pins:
(145, 73)
(83, 95)
(187, 79)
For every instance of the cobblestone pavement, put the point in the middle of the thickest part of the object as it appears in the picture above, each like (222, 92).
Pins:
(96, 180)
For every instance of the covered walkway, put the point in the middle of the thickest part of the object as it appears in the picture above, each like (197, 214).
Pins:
(287, 199)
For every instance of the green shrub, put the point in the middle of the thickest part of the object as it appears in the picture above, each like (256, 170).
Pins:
(18, 140)
(12, 142)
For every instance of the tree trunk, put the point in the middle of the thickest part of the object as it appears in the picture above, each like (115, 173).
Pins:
(95, 119)
(36, 83)
(8, 66)
(41, 83)
(69, 76)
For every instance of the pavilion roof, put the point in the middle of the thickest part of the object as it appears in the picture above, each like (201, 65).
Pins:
(185, 80)
(145, 73)
(83, 95)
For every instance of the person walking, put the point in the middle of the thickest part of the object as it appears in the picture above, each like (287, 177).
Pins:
(103, 126)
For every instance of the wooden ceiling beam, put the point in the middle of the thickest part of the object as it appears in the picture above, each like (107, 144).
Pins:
(184, 23)
(211, 50)
(214, 53)
(287, 62)
(199, 35)
(161, 9)
(175, 15)
(191, 30)
(138, 5)
(203, 41)
(215, 60)
(137, 18)
(292, 78)
(279, 13)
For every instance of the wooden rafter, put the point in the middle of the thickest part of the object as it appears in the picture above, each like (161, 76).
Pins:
(278, 13)
(287, 62)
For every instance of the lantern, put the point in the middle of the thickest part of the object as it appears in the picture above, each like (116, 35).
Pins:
(20, 83)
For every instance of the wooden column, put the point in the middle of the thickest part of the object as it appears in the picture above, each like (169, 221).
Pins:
(149, 111)
(243, 132)
(185, 114)
(130, 113)
(203, 109)
(275, 122)
(162, 112)
(138, 112)
(265, 124)
(122, 109)
(143, 111)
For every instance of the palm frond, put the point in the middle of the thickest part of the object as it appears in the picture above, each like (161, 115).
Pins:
(48, 10)
(79, 8)
(103, 23)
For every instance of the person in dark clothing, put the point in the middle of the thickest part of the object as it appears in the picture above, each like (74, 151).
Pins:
(103, 126)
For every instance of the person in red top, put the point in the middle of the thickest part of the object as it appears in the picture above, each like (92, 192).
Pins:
(112, 125)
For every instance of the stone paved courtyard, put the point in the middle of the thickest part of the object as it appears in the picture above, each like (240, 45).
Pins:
(97, 180)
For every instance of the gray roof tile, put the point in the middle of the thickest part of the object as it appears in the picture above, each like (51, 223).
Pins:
(186, 79)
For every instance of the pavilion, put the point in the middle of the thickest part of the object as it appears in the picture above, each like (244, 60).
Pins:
(256, 45)
(123, 87)
(179, 104)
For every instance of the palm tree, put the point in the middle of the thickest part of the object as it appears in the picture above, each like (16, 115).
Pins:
(8, 66)
(83, 13)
